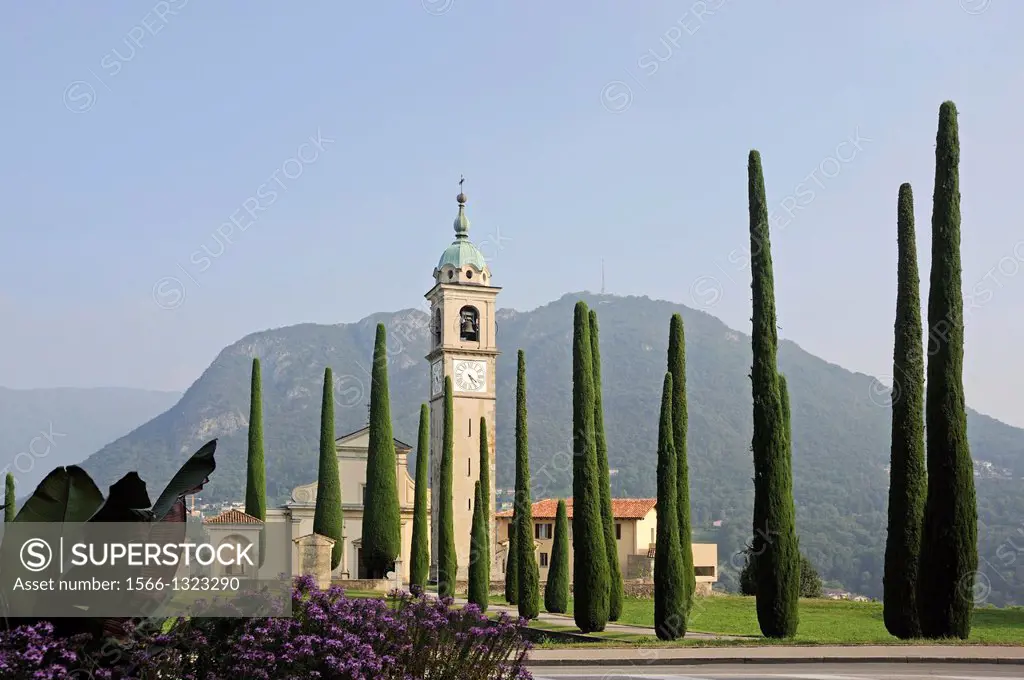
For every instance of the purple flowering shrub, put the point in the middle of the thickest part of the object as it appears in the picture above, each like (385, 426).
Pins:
(329, 637)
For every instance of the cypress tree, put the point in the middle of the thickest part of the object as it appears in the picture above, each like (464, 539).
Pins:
(419, 569)
(949, 539)
(670, 604)
(526, 560)
(485, 497)
(787, 427)
(611, 546)
(778, 563)
(907, 476)
(590, 561)
(255, 472)
(556, 591)
(9, 501)
(327, 517)
(382, 518)
(680, 425)
(512, 563)
(479, 585)
(447, 560)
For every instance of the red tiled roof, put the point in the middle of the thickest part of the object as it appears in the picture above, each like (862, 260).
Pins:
(233, 517)
(622, 508)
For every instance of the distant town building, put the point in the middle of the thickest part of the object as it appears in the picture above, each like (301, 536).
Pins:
(636, 524)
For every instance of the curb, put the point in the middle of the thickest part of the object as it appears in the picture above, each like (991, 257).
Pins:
(703, 661)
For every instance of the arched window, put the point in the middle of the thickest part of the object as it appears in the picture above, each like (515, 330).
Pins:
(437, 327)
(230, 555)
(469, 324)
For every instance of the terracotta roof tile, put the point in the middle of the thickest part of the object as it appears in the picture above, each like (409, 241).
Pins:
(233, 517)
(622, 508)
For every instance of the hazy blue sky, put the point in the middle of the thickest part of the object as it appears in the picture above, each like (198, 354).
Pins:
(586, 130)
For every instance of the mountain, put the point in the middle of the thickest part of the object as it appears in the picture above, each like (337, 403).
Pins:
(840, 420)
(43, 428)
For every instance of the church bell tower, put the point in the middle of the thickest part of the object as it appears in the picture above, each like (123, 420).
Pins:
(463, 346)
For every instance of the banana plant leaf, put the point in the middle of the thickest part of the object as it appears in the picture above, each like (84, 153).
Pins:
(127, 501)
(188, 480)
(67, 494)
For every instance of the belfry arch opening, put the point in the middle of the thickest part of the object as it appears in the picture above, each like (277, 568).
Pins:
(437, 327)
(469, 324)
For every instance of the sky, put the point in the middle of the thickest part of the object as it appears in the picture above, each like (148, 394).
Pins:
(179, 174)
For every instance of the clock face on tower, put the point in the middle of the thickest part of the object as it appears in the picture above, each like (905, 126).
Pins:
(470, 376)
(436, 379)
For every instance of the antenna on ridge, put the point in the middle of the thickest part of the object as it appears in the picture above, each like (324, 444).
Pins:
(602, 276)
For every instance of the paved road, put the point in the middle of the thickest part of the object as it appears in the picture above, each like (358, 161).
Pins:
(824, 671)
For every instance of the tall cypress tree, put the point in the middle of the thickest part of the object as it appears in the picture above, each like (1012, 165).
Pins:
(255, 472)
(479, 585)
(485, 497)
(447, 560)
(10, 509)
(949, 539)
(590, 560)
(778, 564)
(611, 546)
(556, 590)
(419, 569)
(526, 560)
(787, 427)
(512, 563)
(382, 517)
(327, 517)
(907, 476)
(680, 424)
(670, 604)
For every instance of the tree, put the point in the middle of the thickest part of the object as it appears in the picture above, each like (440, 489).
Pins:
(556, 591)
(485, 496)
(10, 509)
(382, 518)
(774, 541)
(810, 580)
(590, 563)
(908, 482)
(479, 583)
(419, 568)
(327, 517)
(526, 559)
(255, 472)
(615, 587)
(949, 539)
(677, 367)
(447, 560)
(670, 603)
(512, 563)
(787, 427)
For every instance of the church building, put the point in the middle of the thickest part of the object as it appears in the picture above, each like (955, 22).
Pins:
(463, 347)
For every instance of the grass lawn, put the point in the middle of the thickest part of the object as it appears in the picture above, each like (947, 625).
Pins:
(821, 621)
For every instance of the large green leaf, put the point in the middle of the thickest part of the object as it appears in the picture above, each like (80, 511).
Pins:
(67, 494)
(189, 479)
(127, 501)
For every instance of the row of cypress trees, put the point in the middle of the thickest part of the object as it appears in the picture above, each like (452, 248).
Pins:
(931, 554)
(381, 530)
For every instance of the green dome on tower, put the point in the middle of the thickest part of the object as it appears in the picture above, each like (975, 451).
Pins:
(461, 252)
